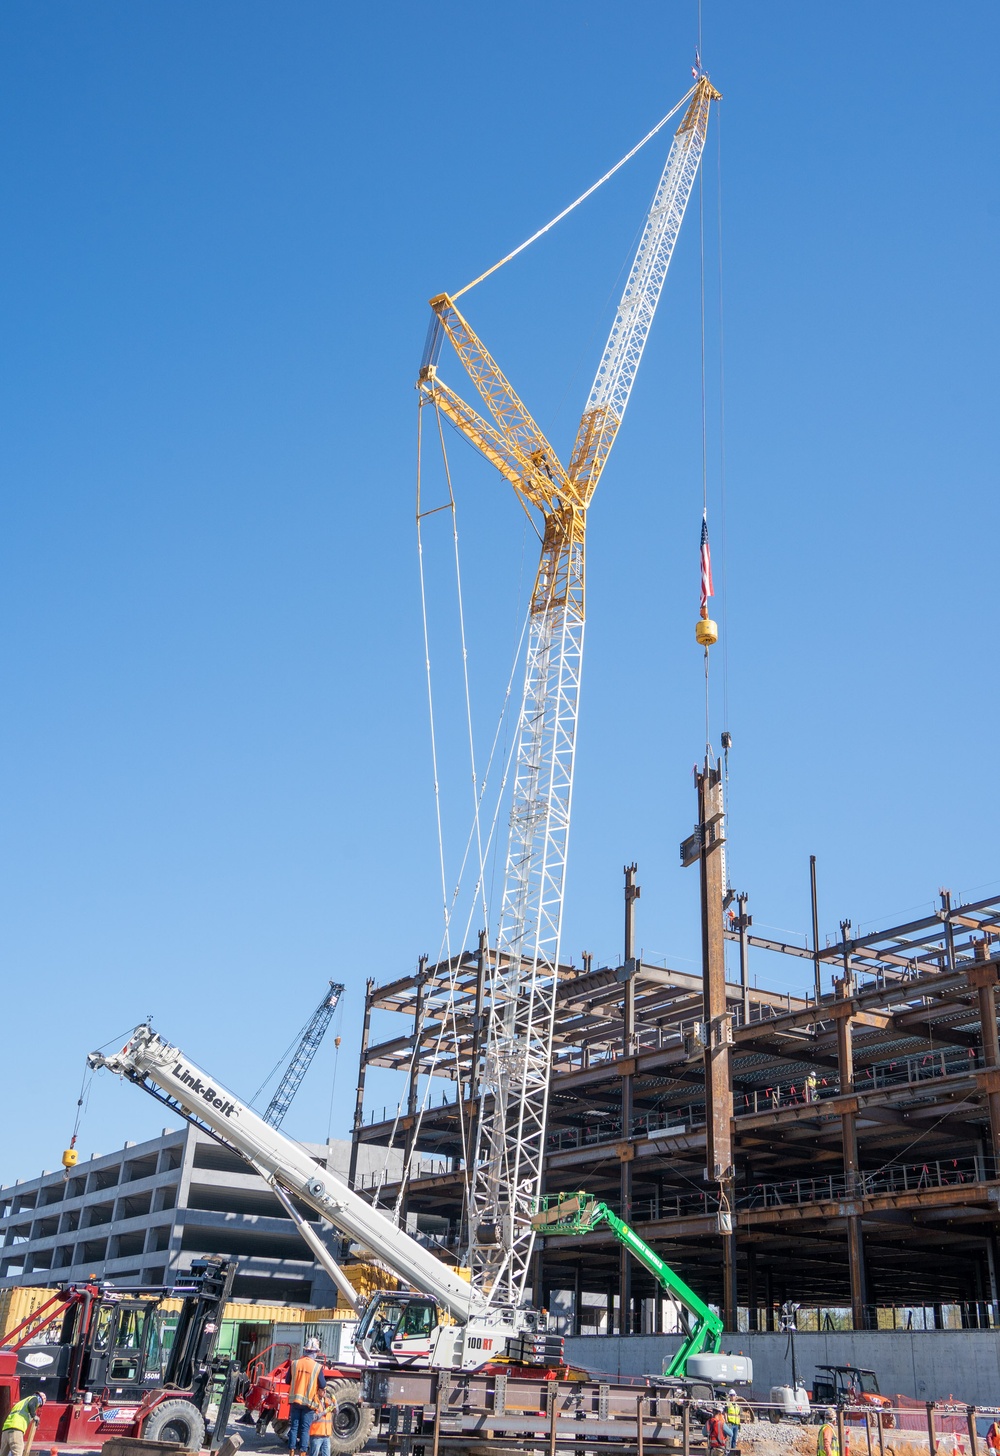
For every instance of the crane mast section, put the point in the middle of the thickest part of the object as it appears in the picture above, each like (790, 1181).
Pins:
(152, 1063)
(307, 1048)
(515, 1080)
(619, 364)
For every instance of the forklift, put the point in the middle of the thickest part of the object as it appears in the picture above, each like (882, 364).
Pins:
(98, 1354)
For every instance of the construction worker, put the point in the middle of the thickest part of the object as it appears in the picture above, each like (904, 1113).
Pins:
(732, 1414)
(305, 1382)
(993, 1436)
(322, 1427)
(827, 1443)
(715, 1430)
(19, 1427)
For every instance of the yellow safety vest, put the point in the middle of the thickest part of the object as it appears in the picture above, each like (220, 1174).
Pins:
(304, 1387)
(19, 1419)
(820, 1446)
(733, 1413)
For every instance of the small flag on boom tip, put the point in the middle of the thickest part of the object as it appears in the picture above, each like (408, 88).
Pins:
(706, 567)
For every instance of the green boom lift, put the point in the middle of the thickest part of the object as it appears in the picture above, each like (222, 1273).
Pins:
(580, 1213)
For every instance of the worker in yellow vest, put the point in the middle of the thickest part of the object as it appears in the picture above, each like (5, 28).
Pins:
(19, 1427)
(827, 1442)
(305, 1382)
(322, 1426)
(732, 1418)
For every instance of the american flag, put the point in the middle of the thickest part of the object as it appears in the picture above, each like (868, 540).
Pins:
(696, 68)
(706, 564)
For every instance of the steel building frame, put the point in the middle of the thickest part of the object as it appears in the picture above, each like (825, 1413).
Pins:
(865, 1127)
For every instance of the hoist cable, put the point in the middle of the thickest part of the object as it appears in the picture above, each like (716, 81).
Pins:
(477, 828)
(704, 404)
(446, 1012)
(427, 663)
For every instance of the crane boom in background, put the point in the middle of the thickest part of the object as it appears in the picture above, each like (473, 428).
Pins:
(312, 1034)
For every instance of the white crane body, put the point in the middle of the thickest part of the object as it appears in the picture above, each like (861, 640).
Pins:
(170, 1075)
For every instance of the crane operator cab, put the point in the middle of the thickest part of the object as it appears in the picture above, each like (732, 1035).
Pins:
(397, 1327)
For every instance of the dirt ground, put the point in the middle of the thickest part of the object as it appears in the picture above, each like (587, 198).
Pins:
(787, 1439)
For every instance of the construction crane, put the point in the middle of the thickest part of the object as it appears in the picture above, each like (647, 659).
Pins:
(312, 1034)
(505, 1176)
(477, 1329)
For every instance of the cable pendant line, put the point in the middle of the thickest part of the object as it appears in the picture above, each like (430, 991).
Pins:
(723, 512)
(444, 951)
(427, 662)
(434, 761)
(465, 662)
(582, 198)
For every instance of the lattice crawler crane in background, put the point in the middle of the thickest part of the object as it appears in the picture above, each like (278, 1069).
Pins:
(312, 1034)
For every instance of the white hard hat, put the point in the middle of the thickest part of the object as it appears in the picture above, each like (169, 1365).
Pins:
(313, 1346)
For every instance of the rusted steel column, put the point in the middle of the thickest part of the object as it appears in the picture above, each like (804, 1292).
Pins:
(983, 977)
(718, 1028)
(411, 1095)
(632, 893)
(359, 1104)
(849, 1135)
(742, 923)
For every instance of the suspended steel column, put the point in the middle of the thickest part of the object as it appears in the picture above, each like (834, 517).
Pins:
(709, 844)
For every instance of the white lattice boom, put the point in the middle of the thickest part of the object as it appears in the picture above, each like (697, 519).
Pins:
(506, 1172)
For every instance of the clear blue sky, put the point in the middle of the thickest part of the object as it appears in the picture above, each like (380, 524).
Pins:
(223, 223)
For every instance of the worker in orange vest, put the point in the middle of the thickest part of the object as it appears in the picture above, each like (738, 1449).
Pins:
(715, 1430)
(322, 1426)
(305, 1382)
(993, 1436)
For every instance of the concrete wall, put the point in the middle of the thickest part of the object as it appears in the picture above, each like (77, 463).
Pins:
(924, 1364)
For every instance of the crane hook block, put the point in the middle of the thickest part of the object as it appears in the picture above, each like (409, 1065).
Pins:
(706, 632)
(70, 1158)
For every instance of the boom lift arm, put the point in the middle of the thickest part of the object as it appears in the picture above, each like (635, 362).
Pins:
(579, 1213)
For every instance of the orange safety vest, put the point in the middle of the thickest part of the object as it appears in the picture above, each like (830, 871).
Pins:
(993, 1436)
(323, 1424)
(304, 1386)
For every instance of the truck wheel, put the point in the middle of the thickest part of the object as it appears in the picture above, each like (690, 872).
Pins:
(176, 1420)
(354, 1422)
